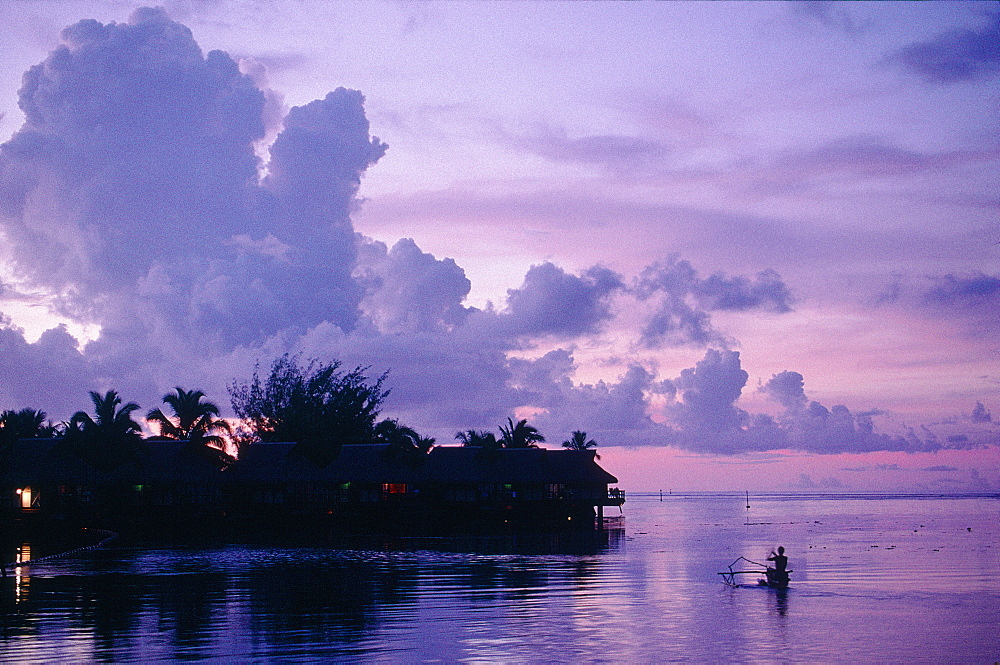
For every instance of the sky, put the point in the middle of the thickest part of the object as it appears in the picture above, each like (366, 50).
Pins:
(741, 245)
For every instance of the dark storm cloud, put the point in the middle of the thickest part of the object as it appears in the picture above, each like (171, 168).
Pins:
(685, 301)
(957, 55)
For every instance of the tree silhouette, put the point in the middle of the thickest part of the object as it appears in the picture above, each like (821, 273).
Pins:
(478, 439)
(403, 440)
(391, 432)
(25, 424)
(194, 420)
(520, 435)
(579, 441)
(108, 438)
(317, 406)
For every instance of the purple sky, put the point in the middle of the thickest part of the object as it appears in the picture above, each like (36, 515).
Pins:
(742, 245)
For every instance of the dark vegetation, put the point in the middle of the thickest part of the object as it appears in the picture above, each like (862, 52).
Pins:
(319, 406)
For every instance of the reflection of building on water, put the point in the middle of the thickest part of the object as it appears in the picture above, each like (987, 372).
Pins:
(21, 578)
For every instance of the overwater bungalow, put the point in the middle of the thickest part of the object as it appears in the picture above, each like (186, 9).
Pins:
(367, 486)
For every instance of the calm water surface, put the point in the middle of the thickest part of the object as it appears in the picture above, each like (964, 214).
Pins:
(875, 579)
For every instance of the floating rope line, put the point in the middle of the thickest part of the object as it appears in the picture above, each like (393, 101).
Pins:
(108, 537)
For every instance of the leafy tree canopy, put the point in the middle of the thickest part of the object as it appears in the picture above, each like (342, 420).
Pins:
(316, 405)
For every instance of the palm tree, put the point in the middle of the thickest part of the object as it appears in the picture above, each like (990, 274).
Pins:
(478, 439)
(520, 435)
(402, 439)
(425, 443)
(110, 437)
(25, 424)
(579, 441)
(193, 419)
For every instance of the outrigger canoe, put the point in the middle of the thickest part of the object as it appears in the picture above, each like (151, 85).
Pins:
(772, 578)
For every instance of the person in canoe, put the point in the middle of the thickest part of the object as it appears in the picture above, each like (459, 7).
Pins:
(778, 576)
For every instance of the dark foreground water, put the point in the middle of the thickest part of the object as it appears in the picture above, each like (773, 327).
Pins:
(875, 579)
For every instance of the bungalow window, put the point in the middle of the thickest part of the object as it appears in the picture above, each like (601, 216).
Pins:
(28, 498)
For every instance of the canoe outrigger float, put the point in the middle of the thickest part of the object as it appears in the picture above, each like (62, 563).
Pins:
(772, 578)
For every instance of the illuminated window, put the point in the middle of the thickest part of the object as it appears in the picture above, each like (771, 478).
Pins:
(394, 488)
(26, 497)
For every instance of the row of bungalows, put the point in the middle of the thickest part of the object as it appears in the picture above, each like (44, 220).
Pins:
(366, 486)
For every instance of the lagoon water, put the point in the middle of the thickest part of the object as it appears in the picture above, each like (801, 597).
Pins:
(875, 579)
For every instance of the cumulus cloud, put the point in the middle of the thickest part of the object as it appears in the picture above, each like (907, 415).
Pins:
(788, 389)
(957, 55)
(981, 414)
(553, 302)
(685, 301)
(709, 391)
(615, 413)
(408, 290)
(131, 195)
(134, 144)
(811, 426)
(49, 374)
